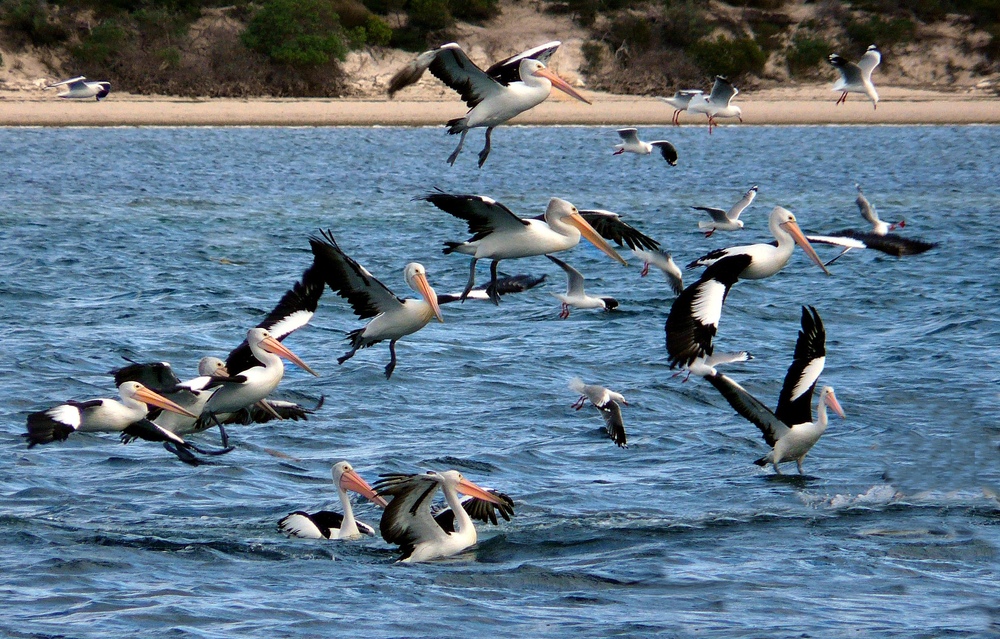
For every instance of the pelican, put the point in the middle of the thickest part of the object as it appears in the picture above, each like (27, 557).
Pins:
(255, 383)
(499, 234)
(409, 522)
(680, 101)
(493, 96)
(103, 415)
(575, 294)
(326, 524)
(790, 429)
(718, 103)
(726, 220)
(606, 401)
(764, 260)
(78, 88)
(663, 261)
(393, 318)
(632, 144)
(857, 78)
(505, 286)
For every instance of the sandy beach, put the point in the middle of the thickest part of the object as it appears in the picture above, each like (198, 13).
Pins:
(800, 105)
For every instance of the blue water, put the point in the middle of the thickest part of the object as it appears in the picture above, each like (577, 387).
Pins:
(167, 244)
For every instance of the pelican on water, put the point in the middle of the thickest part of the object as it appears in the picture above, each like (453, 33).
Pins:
(80, 89)
(790, 429)
(499, 234)
(857, 78)
(393, 317)
(607, 401)
(409, 522)
(494, 96)
(327, 524)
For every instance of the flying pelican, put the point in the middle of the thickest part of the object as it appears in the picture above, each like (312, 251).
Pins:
(394, 318)
(494, 96)
(663, 261)
(575, 294)
(857, 78)
(606, 401)
(409, 522)
(103, 415)
(632, 144)
(680, 101)
(726, 220)
(79, 88)
(505, 286)
(767, 259)
(718, 103)
(327, 524)
(499, 234)
(790, 429)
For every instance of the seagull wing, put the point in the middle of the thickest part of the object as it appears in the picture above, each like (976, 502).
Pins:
(612, 414)
(574, 278)
(850, 73)
(869, 61)
(70, 82)
(750, 408)
(667, 150)
(717, 214)
(734, 213)
(509, 70)
(867, 210)
(630, 136)
(611, 227)
(795, 399)
(723, 91)
(367, 296)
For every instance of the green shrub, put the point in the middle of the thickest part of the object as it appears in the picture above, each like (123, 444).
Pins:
(684, 23)
(876, 30)
(633, 32)
(474, 10)
(103, 44)
(29, 19)
(430, 15)
(593, 56)
(378, 31)
(732, 58)
(806, 54)
(299, 33)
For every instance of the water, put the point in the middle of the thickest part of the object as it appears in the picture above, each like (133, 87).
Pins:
(167, 244)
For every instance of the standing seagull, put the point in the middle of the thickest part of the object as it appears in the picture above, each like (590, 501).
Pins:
(790, 429)
(606, 401)
(393, 317)
(632, 144)
(718, 103)
(857, 78)
(575, 294)
(409, 522)
(723, 220)
(663, 261)
(680, 101)
(327, 524)
(494, 96)
(499, 234)
(79, 89)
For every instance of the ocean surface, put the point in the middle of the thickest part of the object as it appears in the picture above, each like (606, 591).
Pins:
(167, 244)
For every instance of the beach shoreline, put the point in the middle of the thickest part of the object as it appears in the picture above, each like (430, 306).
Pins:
(793, 106)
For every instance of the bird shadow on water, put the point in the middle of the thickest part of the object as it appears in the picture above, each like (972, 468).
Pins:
(796, 481)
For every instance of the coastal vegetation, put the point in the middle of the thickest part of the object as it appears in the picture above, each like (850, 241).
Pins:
(296, 47)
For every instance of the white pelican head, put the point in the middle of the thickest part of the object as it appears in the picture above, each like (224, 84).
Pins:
(783, 221)
(533, 68)
(261, 339)
(137, 392)
(345, 478)
(560, 211)
(416, 276)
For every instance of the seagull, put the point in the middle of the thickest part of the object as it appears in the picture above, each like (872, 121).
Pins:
(632, 144)
(409, 522)
(575, 294)
(494, 96)
(680, 101)
(790, 429)
(392, 317)
(857, 78)
(868, 212)
(663, 261)
(497, 233)
(79, 89)
(327, 524)
(723, 220)
(606, 401)
(717, 104)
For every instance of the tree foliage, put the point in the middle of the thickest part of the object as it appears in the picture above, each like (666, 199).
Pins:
(299, 33)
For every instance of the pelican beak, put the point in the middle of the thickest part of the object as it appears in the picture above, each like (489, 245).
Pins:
(350, 480)
(561, 84)
(793, 229)
(587, 231)
(150, 398)
(272, 345)
(835, 405)
(466, 487)
(424, 288)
